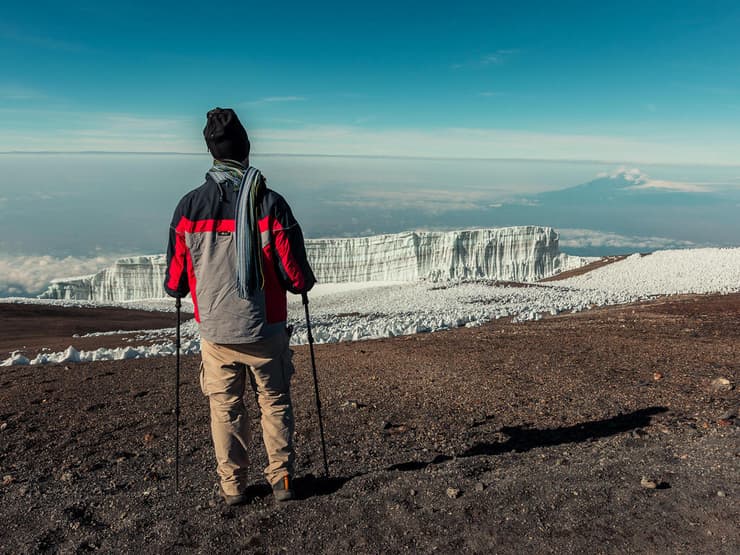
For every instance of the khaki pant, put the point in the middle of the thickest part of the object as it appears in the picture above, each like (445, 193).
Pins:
(223, 378)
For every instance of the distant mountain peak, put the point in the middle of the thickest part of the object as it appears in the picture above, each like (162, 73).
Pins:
(636, 179)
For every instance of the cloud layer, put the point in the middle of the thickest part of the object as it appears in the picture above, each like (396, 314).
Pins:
(588, 238)
(74, 132)
(24, 276)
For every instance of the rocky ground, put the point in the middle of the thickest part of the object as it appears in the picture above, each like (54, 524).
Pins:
(610, 431)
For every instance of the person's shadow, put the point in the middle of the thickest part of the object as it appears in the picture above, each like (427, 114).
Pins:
(520, 439)
(523, 439)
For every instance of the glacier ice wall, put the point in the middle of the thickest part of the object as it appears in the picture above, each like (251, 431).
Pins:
(137, 277)
(525, 253)
(508, 253)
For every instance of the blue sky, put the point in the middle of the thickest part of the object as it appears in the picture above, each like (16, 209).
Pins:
(618, 81)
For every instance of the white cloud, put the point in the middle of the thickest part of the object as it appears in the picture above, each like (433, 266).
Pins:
(492, 58)
(475, 143)
(273, 99)
(583, 238)
(69, 132)
(431, 201)
(16, 34)
(13, 91)
(24, 276)
(116, 132)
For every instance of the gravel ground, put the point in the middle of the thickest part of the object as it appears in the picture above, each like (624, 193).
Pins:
(599, 432)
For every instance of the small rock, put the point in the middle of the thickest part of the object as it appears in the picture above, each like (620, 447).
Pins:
(66, 476)
(721, 493)
(23, 491)
(727, 415)
(657, 376)
(722, 384)
(412, 493)
(453, 493)
(385, 425)
(148, 438)
(3, 426)
(212, 503)
(648, 484)
(67, 368)
(480, 486)
(8, 479)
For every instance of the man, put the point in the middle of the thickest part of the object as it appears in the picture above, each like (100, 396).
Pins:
(235, 246)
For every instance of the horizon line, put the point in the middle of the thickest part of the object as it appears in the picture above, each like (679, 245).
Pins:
(367, 156)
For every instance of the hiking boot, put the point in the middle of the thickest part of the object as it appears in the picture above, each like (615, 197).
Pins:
(232, 500)
(283, 489)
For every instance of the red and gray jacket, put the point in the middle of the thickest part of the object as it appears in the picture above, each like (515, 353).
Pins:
(201, 260)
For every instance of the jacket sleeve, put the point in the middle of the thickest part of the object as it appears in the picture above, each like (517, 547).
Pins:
(293, 268)
(176, 277)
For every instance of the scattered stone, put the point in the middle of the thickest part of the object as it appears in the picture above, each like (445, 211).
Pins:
(8, 479)
(648, 484)
(480, 486)
(352, 404)
(721, 493)
(722, 384)
(727, 415)
(453, 493)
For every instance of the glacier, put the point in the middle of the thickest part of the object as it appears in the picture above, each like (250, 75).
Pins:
(357, 311)
(520, 254)
(131, 278)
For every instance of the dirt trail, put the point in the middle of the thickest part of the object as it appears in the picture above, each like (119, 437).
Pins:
(508, 438)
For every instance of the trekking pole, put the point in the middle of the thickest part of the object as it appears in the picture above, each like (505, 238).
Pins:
(315, 384)
(178, 304)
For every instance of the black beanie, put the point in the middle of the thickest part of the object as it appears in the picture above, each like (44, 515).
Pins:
(225, 136)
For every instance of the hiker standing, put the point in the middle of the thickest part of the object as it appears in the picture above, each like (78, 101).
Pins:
(235, 246)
